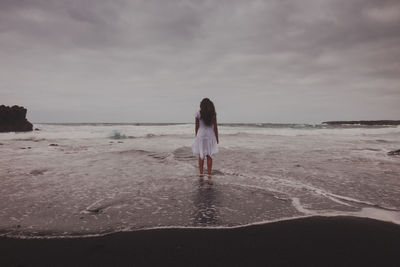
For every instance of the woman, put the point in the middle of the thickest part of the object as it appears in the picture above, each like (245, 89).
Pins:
(205, 143)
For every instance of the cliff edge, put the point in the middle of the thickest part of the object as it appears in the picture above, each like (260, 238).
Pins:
(13, 119)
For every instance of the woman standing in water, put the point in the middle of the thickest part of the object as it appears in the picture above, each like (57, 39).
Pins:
(205, 143)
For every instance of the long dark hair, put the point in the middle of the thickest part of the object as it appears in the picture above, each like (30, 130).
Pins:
(207, 111)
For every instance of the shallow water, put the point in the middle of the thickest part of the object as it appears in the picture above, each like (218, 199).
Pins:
(79, 180)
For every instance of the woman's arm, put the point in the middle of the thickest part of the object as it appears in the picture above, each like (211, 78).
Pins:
(216, 128)
(197, 125)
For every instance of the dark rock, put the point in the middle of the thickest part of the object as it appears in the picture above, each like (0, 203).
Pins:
(371, 123)
(53, 145)
(37, 129)
(96, 210)
(13, 119)
(394, 153)
(38, 172)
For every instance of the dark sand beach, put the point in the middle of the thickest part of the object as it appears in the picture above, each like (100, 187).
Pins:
(315, 241)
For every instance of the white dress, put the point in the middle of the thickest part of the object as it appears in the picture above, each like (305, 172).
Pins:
(205, 142)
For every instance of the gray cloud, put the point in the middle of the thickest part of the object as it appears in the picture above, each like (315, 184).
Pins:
(260, 61)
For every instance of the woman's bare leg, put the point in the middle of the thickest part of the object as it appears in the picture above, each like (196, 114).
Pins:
(209, 165)
(201, 164)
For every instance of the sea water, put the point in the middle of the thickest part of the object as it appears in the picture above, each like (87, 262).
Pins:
(68, 180)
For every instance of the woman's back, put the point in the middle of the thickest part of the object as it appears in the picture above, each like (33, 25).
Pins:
(202, 123)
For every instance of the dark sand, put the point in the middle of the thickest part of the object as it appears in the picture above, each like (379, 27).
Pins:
(317, 241)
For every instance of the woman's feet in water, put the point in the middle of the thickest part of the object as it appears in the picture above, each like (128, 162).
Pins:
(209, 165)
(203, 181)
(201, 176)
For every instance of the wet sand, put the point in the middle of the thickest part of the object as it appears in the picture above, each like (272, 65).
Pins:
(316, 241)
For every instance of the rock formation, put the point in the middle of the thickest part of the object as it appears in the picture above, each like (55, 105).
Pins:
(13, 119)
(394, 153)
(372, 123)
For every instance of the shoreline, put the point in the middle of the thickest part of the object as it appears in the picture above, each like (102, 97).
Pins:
(324, 241)
(80, 235)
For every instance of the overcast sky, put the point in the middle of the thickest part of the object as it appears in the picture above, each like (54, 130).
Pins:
(154, 60)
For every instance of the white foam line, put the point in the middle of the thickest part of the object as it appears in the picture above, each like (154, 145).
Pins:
(152, 228)
(336, 198)
(297, 205)
(290, 183)
(371, 213)
(364, 213)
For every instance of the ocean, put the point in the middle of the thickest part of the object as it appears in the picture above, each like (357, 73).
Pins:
(69, 180)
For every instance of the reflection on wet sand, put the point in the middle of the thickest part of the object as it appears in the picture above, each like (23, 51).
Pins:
(205, 203)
